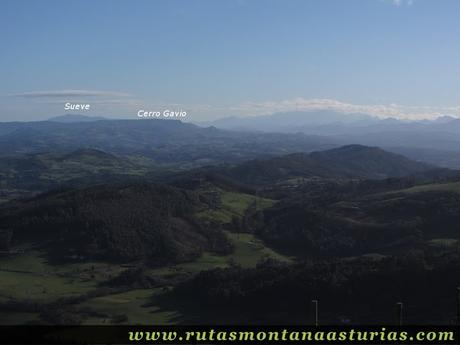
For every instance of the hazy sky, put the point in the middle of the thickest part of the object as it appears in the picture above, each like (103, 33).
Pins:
(219, 58)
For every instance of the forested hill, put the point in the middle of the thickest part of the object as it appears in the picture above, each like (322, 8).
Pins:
(352, 161)
(119, 223)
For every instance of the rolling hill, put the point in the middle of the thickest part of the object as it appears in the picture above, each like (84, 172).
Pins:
(26, 174)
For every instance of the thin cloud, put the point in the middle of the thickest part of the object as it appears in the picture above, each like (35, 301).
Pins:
(410, 112)
(70, 94)
(116, 102)
(399, 3)
(402, 2)
(110, 102)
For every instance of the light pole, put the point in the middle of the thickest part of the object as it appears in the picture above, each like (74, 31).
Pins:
(399, 312)
(315, 305)
(458, 305)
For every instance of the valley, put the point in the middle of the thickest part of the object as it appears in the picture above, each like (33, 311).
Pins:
(116, 236)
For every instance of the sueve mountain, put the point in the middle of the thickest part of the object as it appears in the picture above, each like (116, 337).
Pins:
(72, 118)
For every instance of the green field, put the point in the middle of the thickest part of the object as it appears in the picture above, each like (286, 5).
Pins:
(30, 277)
(132, 306)
(234, 205)
(443, 242)
(249, 250)
(450, 187)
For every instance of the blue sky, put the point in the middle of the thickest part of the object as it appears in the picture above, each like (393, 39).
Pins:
(229, 57)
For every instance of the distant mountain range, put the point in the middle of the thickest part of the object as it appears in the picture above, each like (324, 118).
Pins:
(164, 141)
(326, 122)
(435, 141)
(296, 121)
(186, 145)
